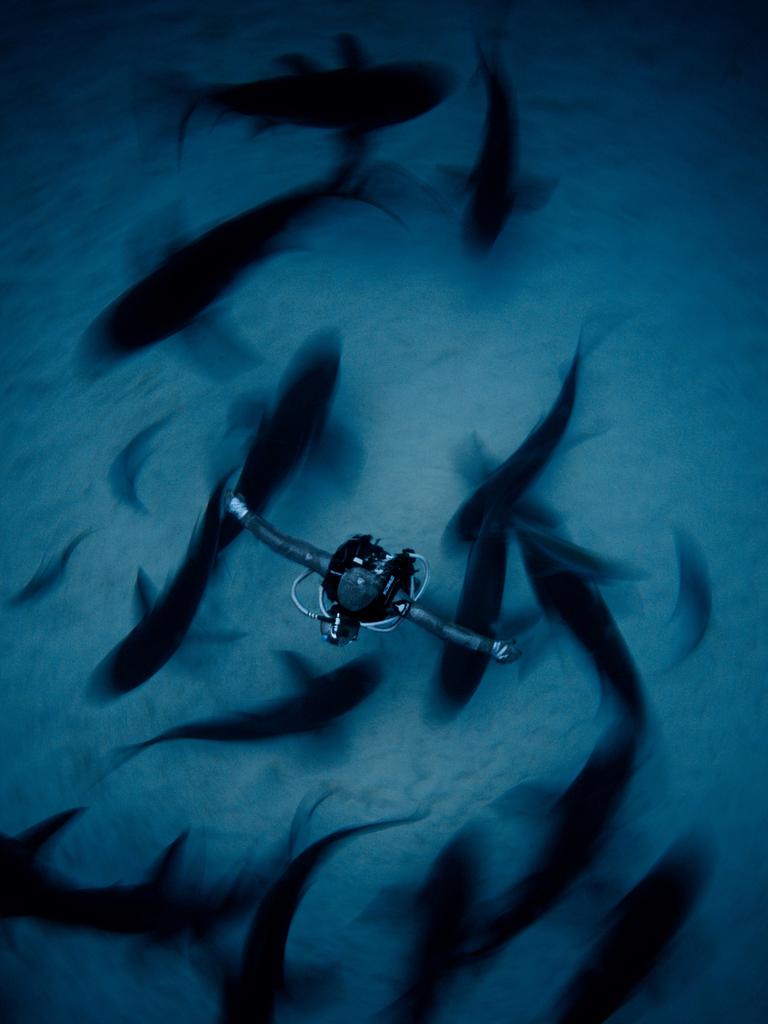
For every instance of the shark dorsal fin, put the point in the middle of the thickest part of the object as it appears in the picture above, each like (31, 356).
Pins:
(167, 861)
(38, 835)
(351, 51)
(474, 461)
(144, 594)
(300, 668)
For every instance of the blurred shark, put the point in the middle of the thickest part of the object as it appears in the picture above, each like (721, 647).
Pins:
(507, 484)
(250, 998)
(581, 816)
(161, 630)
(443, 907)
(638, 933)
(566, 590)
(293, 428)
(155, 907)
(497, 164)
(462, 670)
(324, 700)
(355, 99)
(496, 188)
(178, 291)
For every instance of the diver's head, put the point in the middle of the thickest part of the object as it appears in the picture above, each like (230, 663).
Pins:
(358, 588)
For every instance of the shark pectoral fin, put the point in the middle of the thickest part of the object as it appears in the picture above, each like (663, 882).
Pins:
(128, 463)
(693, 609)
(167, 862)
(144, 594)
(532, 193)
(473, 460)
(298, 63)
(38, 835)
(300, 668)
(351, 51)
(215, 349)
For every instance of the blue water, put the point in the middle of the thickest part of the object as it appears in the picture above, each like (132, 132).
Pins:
(652, 118)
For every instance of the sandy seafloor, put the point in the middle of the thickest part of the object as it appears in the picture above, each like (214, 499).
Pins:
(653, 119)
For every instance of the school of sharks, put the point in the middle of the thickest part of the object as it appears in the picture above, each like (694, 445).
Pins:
(236, 930)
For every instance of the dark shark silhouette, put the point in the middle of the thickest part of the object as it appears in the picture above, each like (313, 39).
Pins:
(508, 483)
(443, 908)
(155, 908)
(638, 933)
(581, 816)
(178, 291)
(564, 590)
(461, 670)
(493, 177)
(355, 99)
(160, 632)
(286, 435)
(324, 700)
(251, 997)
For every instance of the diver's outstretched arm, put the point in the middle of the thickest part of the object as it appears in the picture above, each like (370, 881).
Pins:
(499, 650)
(319, 561)
(289, 547)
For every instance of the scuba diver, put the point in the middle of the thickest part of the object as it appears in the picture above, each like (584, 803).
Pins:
(364, 585)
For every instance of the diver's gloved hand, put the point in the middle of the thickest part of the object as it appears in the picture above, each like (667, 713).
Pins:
(505, 651)
(236, 507)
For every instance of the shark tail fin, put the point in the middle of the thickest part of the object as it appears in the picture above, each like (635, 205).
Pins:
(37, 836)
